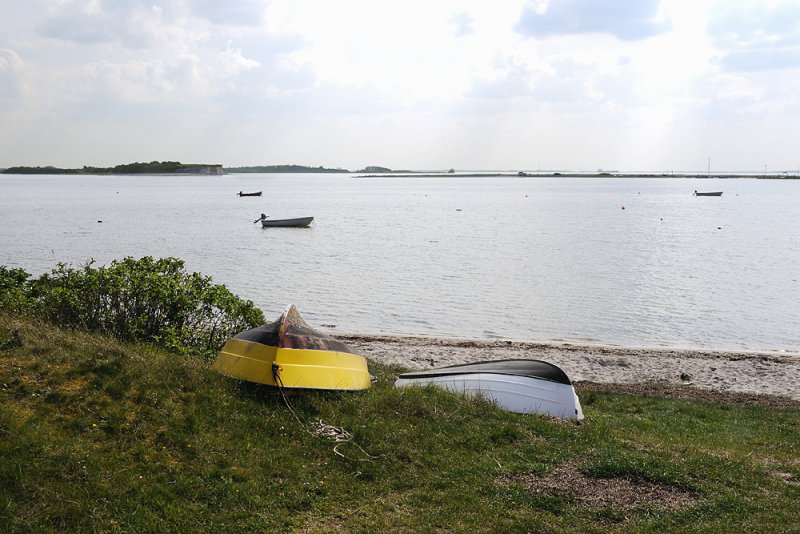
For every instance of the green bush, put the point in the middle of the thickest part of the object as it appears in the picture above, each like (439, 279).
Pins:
(13, 292)
(149, 300)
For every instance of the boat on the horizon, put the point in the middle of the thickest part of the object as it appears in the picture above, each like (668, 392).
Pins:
(256, 194)
(521, 386)
(298, 222)
(288, 353)
(707, 193)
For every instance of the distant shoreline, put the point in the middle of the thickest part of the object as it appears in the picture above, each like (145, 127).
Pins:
(153, 168)
(721, 370)
(581, 175)
(201, 169)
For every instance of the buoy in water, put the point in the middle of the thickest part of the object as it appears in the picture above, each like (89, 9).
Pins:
(623, 207)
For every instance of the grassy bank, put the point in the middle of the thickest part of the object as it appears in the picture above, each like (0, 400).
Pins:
(97, 435)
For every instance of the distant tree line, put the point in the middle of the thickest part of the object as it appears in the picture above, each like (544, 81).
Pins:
(40, 170)
(154, 167)
(170, 167)
(138, 168)
(283, 169)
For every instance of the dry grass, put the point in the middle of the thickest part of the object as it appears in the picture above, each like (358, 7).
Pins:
(668, 391)
(620, 493)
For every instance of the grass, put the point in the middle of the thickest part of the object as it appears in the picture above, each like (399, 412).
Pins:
(99, 436)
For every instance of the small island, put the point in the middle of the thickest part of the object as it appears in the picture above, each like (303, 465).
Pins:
(283, 169)
(154, 167)
(288, 169)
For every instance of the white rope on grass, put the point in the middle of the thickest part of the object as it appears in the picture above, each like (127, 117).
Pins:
(319, 429)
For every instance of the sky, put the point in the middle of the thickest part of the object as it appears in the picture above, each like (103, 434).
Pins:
(624, 85)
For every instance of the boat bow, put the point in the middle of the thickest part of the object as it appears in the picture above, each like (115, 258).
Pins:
(289, 353)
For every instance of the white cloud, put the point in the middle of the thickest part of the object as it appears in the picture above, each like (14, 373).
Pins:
(232, 62)
(408, 52)
(757, 35)
(10, 67)
(235, 12)
(132, 24)
(516, 82)
(570, 84)
(627, 20)
(462, 21)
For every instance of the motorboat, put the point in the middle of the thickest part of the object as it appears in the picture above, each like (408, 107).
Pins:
(288, 353)
(521, 386)
(256, 194)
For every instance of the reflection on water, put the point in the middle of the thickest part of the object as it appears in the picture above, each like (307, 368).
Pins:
(520, 258)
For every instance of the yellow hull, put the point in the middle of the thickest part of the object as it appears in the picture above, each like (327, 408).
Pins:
(297, 368)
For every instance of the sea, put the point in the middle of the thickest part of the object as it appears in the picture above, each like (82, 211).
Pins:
(632, 261)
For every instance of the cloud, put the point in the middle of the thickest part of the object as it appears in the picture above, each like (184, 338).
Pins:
(10, 66)
(513, 84)
(569, 84)
(463, 24)
(627, 20)
(133, 24)
(756, 36)
(756, 59)
(564, 83)
(140, 23)
(232, 62)
(274, 68)
(234, 12)
(136, 51)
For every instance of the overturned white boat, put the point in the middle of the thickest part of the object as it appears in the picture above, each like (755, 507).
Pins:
(521, 386)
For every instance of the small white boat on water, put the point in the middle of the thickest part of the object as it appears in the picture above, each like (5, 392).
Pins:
(707, 193)
(299, 222)
(521, 386)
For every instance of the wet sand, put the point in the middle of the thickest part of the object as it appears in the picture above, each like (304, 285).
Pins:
(723, 371)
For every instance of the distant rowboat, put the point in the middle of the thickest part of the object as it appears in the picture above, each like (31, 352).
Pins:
(708, 194)
(256, 194)
(299, 222)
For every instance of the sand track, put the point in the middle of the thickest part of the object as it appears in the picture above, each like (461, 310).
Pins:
(724, 371)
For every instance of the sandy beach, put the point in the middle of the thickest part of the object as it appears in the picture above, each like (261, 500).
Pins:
(724, 371)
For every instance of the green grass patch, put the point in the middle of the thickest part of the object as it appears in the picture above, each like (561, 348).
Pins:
(98, 435)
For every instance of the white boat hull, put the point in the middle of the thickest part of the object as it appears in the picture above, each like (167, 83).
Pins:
(519, 394)
(300, 222)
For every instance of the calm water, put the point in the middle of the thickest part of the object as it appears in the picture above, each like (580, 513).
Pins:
(520, 258)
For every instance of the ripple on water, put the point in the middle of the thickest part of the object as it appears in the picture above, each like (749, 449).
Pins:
(394, 256)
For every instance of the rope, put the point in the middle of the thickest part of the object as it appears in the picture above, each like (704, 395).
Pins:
(319, 429)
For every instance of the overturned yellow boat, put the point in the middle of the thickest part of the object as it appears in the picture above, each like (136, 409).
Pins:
(290, 354)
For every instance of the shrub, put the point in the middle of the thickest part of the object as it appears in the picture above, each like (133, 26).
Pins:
(149, 300)
(13, 290)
